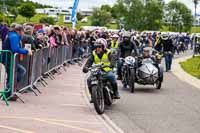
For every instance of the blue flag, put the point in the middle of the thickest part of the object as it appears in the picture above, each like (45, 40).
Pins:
(74, 9)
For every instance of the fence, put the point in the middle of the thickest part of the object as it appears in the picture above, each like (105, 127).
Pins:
(6, 74)
(28, 70)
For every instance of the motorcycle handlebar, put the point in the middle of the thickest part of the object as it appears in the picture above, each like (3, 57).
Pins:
(98, 66)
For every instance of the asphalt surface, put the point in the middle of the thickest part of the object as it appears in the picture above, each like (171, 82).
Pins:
(173, 109)
(62, 107)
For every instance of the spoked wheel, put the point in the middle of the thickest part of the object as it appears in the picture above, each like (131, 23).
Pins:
(108, 97)
(124, 80)
(98, 99)
(158, 85)
(132, 80)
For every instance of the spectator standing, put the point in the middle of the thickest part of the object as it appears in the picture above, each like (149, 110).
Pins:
(12, 42)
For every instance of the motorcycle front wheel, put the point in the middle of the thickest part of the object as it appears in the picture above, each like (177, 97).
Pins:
(132, 80)
(124, 78)
(98, 99)
(158, 85)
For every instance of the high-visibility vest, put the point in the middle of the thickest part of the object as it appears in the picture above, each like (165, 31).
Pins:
(114, 45)
(104, 60)
(158, 39)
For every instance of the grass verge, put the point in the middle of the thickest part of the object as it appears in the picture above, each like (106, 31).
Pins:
(192, 66)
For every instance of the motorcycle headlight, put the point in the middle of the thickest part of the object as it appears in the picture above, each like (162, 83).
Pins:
(94, 71)
(93, 78)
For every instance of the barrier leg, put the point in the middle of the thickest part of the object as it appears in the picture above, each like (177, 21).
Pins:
(44, 81)
(31, 88)
(58, 70)
(51, 75)
(34, 87)
(3, 96)
(64, 68)
(48, 74)
(19, 98)
(16, 96)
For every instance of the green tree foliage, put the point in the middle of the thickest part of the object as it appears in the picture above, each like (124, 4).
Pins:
(27, 10)
(106, 8)
(153, 15)
(13, 4)
(1, 17)
(100, 17)
(119, 10)
(79, 16)
(138, 15)
(134, 18)
(48, 20)
(178, 17)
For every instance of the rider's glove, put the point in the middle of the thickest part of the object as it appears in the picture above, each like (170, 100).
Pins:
(85, 69)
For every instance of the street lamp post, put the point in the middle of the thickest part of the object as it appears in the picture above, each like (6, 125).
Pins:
(195, 13)
(195, 28)
(4, 9)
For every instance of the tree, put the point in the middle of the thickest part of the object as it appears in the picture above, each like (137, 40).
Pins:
(106, 8)
(119, 10)
(153, 15)
(14, 11)
(178, 16)
(27, 10)
(1, 17)
(48, 20)
(79, 16)
(100, 17)
(134, 16)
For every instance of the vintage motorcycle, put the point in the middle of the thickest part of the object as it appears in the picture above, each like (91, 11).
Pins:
(142, 71)
(102, 91)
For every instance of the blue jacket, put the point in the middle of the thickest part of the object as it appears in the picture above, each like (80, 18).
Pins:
(12, 43)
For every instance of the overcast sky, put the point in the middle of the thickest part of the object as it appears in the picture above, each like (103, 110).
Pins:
(92, 3)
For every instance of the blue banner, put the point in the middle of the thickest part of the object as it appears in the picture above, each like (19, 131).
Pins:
(74, 9)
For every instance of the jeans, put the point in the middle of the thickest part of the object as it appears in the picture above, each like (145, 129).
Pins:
(21, 71)
(168, 61)
(119, 67)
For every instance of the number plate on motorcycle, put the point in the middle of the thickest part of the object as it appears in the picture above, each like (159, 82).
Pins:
(94, 82)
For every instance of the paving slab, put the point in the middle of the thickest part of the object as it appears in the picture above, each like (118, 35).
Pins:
(61, 108)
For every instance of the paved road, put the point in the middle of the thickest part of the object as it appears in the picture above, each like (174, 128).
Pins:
(61, 108)
(173, 109)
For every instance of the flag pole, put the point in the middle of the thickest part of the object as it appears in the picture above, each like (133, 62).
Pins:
(74, 13)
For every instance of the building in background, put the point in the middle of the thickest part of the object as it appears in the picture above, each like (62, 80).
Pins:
(86, 12)
(197, 21)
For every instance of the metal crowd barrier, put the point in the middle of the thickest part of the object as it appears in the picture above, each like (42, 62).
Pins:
(6, 74)
(25, 71)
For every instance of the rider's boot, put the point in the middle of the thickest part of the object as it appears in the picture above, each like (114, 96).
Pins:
(119, 76)
(116, 93)
(90, 90)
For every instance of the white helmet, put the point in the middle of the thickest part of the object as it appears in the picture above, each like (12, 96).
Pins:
(115, 36)
(126, 34)
(100, 42)
(130, 60)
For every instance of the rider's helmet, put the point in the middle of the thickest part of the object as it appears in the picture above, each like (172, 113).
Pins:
(130, 60)
(165, 36)
(146, 52)
(115, 36)
(137, 36)
(126, 36)
(101, 42)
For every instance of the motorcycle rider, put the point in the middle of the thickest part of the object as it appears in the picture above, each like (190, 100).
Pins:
(126, 48)
(166, 46)
(101, 55)
(114, 43)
